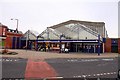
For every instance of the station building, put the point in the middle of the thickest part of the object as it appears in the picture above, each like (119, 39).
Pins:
(28, 41)
(77, 36)
(74, 35)
(9, 38)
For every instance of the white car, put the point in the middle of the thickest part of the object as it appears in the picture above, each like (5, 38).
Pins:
(66, 50)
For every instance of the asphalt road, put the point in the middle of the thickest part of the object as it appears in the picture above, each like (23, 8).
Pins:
(13, 67)
(89, 68)
(65, 68)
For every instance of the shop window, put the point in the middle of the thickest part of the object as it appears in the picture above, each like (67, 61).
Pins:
(114, 41)
(50, 45)
(58, 45)
(54, 45)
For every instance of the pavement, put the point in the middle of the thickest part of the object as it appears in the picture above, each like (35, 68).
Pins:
(29, 54)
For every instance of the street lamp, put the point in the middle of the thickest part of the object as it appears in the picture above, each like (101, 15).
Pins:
(17, 22)
(27, 39)
(62, 35)
(16, 31)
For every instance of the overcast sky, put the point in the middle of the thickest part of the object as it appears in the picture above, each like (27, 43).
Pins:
(40, 14)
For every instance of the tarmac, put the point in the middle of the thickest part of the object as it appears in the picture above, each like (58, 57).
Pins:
(31, 54)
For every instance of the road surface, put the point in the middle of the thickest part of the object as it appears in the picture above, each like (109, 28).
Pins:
(59, 68)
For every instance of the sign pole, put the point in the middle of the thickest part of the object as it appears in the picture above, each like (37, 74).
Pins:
(98, 44)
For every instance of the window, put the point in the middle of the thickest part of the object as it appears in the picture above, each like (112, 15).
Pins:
(54, 44)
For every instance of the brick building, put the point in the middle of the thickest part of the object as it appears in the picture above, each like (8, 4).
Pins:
(9, 38)
(112, 45)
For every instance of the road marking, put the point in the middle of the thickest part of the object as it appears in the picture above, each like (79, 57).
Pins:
(89, 75)
(7, 60)
(101, 74)
(68, 60)
(84, 76)
(15, 60)
(38, 69)
(94, 75)
(107, 59)
(114, 72)
(74, 76)
(111, 73)
(83, 60)
(79, 76)
(16, 79)
(104, 73)
(73, 60)
(98, 74)
(54, 77)
(88, 60)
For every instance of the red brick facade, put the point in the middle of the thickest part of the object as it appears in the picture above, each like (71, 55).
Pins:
(9, 39)
(108, 45)
(119, 45)
(7, 36)
(3, 30)
(8, 42)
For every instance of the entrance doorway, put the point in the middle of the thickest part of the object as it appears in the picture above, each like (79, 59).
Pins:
(85, 47)
(77, 47)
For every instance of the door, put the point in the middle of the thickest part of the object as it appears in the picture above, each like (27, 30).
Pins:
(114, 49)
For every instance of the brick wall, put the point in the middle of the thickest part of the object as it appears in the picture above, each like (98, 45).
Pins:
(3, 31)
(0, 31)
(119, 45)
(108, 45)
(8, 42)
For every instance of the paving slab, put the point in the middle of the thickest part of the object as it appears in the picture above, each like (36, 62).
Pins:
(48, 55)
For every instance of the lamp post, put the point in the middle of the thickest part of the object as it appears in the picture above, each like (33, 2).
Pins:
(27, 39)
(17, 22)
(62, 35)
(16, 30)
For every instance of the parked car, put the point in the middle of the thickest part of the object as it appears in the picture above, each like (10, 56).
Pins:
(65, 50)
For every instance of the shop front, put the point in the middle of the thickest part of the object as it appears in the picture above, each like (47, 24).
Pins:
(85, 46)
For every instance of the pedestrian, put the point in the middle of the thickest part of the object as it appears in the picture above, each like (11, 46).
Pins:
(48, 47)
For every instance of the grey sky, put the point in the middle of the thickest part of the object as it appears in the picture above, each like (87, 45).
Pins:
(39, 14)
